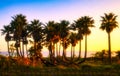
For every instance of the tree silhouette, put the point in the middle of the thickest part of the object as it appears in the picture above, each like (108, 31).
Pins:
(6, 30)
(108, 24)
(118, 54)
(18, 24)
(86, 22)
(35, 30)
(64, 32)
(73, 41)
(77, 26)
(51, 38)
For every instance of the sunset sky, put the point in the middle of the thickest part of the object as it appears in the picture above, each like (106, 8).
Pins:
(46, 10)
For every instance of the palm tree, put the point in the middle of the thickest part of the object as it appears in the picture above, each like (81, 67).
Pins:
(73, 41)
(35, 30)
(79, 37)
(6, 30)
(24, 36)
(77, 26)
(18, 24)
(109, 23)
(56, 39)
(86, 22)
(63, 33)
(51, 38)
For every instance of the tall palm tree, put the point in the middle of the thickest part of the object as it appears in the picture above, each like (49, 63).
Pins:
(86, 22)
(24, 36)
(73, 41)
(79, 37)
(6, 30)
(51, 38)
(77, 26)
(36, 32)
(108, 24)
(18, 23)
(63, 33)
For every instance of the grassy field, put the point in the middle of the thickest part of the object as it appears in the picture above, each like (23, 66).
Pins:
(89, 68)
(86, 69)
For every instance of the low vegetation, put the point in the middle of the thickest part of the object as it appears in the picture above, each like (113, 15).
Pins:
(10, 67)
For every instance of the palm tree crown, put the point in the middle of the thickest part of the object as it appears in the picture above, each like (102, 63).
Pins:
(109, 22)
(85, 23)
(35, 30)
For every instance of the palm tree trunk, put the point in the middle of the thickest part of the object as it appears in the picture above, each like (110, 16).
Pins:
(64, 57)
(26, 51)
(18, 54)
(79, 49)
(71, 52)
(8, 48)
(85, 47)
(79, 56)
(59, 48)
(51, 53)
(64, 53)
(85, 55)
(34, 45)
(20, 49)
(109, 46)
(23, 48)
(53, 49)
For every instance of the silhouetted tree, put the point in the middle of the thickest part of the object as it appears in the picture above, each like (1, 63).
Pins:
(18, 24)
(6, 30)
(86, 22)
(35, 30)
(118, 54)
(108, 24)
(73, 41)
(64, 32)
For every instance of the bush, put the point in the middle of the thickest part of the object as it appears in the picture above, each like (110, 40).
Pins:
(86, 67)
(116, 66)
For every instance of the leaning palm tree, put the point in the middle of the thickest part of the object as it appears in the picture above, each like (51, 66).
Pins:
(109, 23)
(86, 22)
(6, 30)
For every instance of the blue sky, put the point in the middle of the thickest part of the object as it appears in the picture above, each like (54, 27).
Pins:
(57, 10)
(7, 3)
